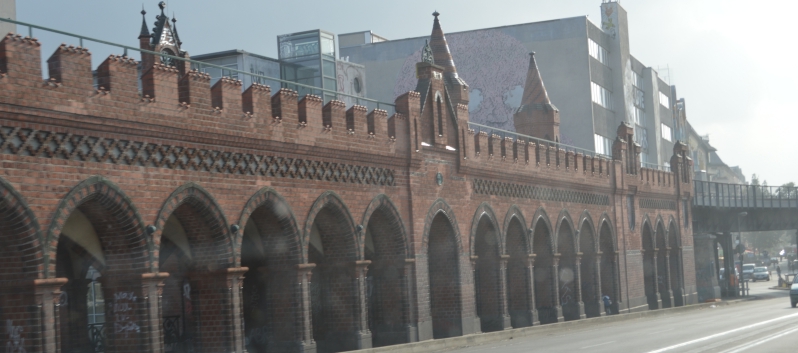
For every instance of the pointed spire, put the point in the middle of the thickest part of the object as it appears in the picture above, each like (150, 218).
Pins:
(441, 54)
(174, 30)
(534, 91)
(145, 33)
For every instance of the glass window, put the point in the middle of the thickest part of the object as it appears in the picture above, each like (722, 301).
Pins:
(638, 115)
(603, 144)
(666, 132)
(630, 207)
(598, 52)
(330, 84)
(327, 45)
(664, 100)
(641, 137)
(95, 303)
(294, 46)
(328, 68)
(601, 95)
(637, 80)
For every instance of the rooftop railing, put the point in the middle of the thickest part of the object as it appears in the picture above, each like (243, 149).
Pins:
(711, 194)
(664, 168)
(526, 138)
(200, 66)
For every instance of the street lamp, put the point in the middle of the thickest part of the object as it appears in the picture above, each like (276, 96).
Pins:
(741, 249)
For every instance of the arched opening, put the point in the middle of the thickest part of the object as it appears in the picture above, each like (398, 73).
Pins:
(650, 268)
(567, 273)
(544, 279)
(18, 235)
(194, 251)
(676, 265)
(101, 251)
(663, 275)
(386, 286)
(486, 273)
(440, 117)
(333, 293)
(444, 279)
(271, 251)
(608, 266)
(591, 287)
(518, 285)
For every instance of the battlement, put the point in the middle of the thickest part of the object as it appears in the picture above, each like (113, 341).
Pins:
(184, 104)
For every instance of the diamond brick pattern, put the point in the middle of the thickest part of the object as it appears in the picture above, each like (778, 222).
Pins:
(46, 144)
(658, 204)
(496, 188)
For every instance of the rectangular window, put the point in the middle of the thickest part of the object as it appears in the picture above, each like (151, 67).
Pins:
(630, 207)
(666, 133)
(601, 95)
(603, 145)
(639, 114)
(664, 100)
(598, 52)
(637, 80)
(641, 137)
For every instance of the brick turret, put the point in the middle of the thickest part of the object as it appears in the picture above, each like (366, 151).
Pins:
(537, 116)
(458, 89)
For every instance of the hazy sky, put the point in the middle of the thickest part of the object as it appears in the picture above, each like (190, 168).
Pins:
(731, 60)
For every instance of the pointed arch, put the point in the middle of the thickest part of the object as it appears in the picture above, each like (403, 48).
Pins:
(565, 217)
(386, 246)
(515, 213)
(384, 203)
(440, 206)
(659, 222)
(345, 223)
(118, 206)
(605, 220)
(484, 210)
(585, 220)
(647, 223)
(272, 199)
(207, 208)
(20, 233)
(608, 263)
(542, 219)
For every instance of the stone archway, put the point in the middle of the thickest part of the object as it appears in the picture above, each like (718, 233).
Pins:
(546, 283)
(385, 245)
(520, 285)
(589, 275)
(568, 271)
(196, 250)
(441, 246)
(487, 263)
(271, 300)
(650, 267)
(337, 285)
(608, 266)
(676, 275)
(663, 267)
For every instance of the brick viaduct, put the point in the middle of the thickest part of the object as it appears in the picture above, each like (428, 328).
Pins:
(225, 221)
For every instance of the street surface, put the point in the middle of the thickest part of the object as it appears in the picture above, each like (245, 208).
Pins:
(767, 324)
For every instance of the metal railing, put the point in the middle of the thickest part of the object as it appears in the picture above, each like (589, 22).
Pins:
(664, 168)
(200, 65)
(526, 138)
(707, 193)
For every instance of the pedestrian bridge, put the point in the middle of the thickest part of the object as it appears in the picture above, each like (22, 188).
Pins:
(719, 207)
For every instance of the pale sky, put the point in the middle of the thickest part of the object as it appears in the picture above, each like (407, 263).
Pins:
(731, 60)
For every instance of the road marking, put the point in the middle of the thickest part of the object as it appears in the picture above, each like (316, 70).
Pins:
(722, 334)
(596, 345)
(762, 340)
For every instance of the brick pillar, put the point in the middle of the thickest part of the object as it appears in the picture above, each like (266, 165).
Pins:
(667, 292)
(579, 301)
(530, 272)
(656, 280)
(235, 284)
(363, 335)
(304, 329)
(506, 322)
(408, 281)
(73, 320)
(597, 285)
(152, 328)
(475, 279)
(47, 293)
(555, 287)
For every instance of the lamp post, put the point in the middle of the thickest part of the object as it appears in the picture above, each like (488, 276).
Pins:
(741, 248)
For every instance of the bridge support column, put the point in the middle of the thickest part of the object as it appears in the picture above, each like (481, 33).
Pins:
(579, 301)
(598, 295)
(555, 287)
(533, 309)
(706, 267)
(666, 292)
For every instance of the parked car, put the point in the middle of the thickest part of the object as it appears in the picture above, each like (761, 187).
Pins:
(748, 271)
(761, 273)
(794, 291)
(774, 260)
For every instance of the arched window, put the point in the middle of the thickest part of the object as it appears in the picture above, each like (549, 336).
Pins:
(440, 118)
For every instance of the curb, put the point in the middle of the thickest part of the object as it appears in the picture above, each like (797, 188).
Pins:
(482, 338)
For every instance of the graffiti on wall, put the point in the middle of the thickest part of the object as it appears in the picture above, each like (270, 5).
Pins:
(493, 64)
(124, 302)
(16, 343)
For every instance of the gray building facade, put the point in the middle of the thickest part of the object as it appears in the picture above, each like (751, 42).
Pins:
(589, 71)
(8, 9)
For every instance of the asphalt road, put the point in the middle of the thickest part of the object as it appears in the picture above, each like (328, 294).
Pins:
(767, 324)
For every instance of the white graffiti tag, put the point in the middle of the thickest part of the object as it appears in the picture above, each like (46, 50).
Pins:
(16, 343)
(123, 305)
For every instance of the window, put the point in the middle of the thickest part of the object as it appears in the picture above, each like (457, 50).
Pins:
(637, 81)
(630, 207)
(603, 145)
(664, 100)
(685, 214)
(598, 52)
(641, 137)
(666, 133)
(95, 304)
(639, 114)
(601, 95)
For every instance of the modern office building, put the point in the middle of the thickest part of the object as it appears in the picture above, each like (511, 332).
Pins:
(590, 74)
(307, 58)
